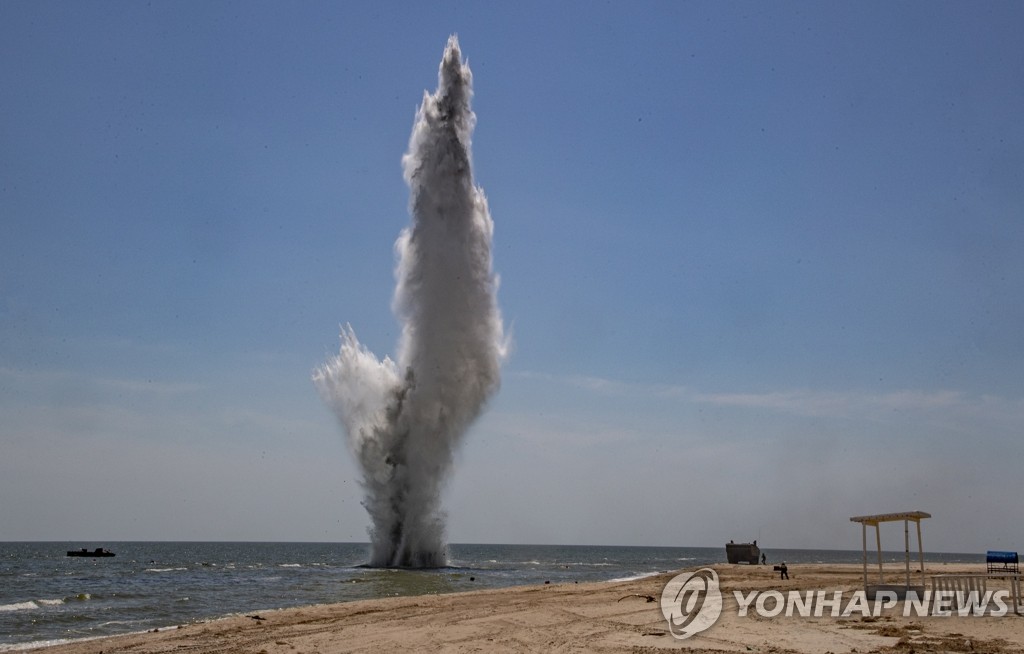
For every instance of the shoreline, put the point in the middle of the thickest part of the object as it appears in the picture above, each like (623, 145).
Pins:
(611, 616)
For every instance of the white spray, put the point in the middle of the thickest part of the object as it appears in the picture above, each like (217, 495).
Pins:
(404, 420)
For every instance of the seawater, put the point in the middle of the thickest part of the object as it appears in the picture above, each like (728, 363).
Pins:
(46, 596)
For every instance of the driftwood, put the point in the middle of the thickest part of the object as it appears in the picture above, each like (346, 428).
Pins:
(649, 598)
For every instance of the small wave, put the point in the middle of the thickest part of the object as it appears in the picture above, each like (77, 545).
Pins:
(49, 602)
(164, 569)
(290, 565)
(635, 577)
(109, 623)
(39, 603)
(17, 647)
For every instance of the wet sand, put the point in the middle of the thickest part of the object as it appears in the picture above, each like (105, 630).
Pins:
(593, 617)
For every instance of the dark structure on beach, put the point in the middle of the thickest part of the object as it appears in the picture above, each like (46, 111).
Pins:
(743, 553)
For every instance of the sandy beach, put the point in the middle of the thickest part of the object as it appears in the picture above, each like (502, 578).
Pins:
(594, 617)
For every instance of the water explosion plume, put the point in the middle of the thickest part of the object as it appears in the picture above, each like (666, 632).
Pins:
(404, 419)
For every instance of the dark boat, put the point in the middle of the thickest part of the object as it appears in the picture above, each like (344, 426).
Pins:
(743, 553)
(99, 551)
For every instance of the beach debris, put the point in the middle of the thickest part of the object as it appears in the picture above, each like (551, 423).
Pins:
(649, 598)
(256, 617)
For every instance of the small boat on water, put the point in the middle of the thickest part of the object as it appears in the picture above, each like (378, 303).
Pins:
(743, 553)
(99, 551)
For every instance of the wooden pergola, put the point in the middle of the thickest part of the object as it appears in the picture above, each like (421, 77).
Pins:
(875, 520)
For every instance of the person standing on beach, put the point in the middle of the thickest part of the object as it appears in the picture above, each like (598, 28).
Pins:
(783, 571)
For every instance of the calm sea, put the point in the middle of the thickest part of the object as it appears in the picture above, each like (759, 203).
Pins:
(46, 596)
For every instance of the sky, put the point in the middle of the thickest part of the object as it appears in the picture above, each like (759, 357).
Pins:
(760, 263)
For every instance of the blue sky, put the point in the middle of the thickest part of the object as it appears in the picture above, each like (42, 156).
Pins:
(761, 264)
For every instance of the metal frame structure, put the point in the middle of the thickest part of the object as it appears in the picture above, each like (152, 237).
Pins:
(875, 520)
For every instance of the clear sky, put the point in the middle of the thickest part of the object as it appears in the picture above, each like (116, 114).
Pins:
(762, 264)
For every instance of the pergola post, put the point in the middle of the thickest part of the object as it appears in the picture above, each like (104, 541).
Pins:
(864, 539)
(920, 550)
(906, 547)
(878, 544)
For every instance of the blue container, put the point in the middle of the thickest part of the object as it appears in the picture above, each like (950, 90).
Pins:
(1000, 557)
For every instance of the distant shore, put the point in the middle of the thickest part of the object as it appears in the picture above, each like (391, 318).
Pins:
(593, 617)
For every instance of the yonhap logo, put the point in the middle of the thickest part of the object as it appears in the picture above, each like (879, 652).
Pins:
(691, 602)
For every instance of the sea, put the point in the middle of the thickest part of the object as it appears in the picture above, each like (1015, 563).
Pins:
(47, 597)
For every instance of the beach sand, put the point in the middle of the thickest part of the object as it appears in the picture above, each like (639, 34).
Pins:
(592, 617)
